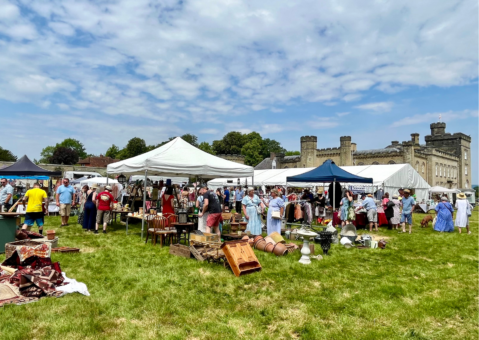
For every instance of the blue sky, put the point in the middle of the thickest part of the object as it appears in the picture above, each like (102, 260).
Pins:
(106, 71)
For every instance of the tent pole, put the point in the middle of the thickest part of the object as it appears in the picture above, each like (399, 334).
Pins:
(334, 196)
(144, 205)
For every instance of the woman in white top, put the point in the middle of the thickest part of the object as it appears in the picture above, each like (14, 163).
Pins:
(462, 206)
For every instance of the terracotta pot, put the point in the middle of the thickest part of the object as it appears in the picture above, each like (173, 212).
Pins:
(257, 238)
(269, 247)
(277, 237)
(280, 249)
(245, 238)
(269, 239)
(251, 242)
(260, 245)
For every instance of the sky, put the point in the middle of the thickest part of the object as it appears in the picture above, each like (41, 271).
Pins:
(104, 72)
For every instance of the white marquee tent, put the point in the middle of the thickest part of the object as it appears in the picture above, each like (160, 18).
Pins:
(390, 177)
(180, 159)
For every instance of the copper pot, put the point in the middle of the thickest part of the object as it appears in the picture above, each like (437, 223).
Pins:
(260, 245)
(280, 249)
(269, 247)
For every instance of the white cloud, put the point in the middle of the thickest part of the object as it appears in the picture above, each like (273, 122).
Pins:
(322, 123)
(210, 131)
(342, 114)
(379, 107)
(432, 117)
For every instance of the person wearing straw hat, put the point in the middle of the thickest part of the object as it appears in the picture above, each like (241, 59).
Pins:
(464, 210)
(105, 206)
(408, 204)
(444, 213)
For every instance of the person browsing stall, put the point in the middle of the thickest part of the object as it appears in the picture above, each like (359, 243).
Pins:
(226, 197)
(105, 206)
(408, 204)
(239, 193)
(211, 205)
(6, 195)
(34, 213)
(64, 197)
(371, 209)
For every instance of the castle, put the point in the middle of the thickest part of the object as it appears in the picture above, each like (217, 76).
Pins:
(444, 160)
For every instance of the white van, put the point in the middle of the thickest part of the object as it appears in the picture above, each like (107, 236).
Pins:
(71, 175)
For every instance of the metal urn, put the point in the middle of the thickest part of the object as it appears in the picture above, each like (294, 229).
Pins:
(325, 241)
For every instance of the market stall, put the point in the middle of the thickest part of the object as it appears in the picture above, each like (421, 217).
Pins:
(178, 159)
(23, 168)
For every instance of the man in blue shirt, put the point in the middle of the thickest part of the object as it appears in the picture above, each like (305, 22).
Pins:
(6, 195)
(238, 198)
(65, 196)
(408, 204)
(226, 197)
(372, 211)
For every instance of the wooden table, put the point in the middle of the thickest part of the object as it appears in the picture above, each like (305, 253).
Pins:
(135, 217)
(114, 214)
(189, 226)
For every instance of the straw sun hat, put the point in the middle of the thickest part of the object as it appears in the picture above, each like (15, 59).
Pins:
(461, 196)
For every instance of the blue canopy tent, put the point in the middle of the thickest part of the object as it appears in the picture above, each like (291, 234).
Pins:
(326, 173)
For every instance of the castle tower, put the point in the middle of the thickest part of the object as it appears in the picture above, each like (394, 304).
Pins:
(438, 129)
(415, 138)
(345, 151)
(309, 144)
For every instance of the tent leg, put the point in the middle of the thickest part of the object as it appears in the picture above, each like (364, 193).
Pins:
(144, 205)
(334, 197)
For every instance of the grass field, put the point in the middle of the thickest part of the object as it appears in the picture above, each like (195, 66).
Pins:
(422, 286)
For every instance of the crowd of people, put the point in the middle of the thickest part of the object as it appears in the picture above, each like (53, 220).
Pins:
(259, 208)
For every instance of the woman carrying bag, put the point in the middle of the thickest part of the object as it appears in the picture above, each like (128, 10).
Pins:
(252, 212)
(275, 212)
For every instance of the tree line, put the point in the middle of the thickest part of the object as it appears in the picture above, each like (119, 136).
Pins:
(251, 145)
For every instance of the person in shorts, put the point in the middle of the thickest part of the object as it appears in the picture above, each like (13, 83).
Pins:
(212, 206)
(34, 213)
(6, 195)
(65, 196)
(408, 204)
(104, 207)
(372, 212)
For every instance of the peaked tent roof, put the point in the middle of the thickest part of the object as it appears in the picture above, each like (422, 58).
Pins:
(329, 172)
(25, 167)
(179, 158)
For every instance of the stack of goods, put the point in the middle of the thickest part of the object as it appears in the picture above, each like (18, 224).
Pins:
(274, 243)
(51, 238)
(29, 274)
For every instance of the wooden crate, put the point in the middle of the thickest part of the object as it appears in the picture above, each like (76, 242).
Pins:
(241, 257)
(206, 237)
(180, 250)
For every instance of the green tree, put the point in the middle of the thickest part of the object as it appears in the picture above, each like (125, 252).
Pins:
(74, 145)
(64, 155)
(271, 145)
(136, 146)
(232, 143)
(206, 147)
(7, 155)
(46, 154)
(192, 139)
(292, 153)
(252, 152)
(112, 151)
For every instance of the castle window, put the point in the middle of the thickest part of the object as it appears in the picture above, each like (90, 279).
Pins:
(423, 167)
(465, 154)
(391, 162)
(360, 163)
(375, 163)
(440, 171)
(465, 170)
(436, 169)
(467, 184)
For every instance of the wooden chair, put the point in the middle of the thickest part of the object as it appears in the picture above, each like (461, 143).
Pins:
(174, 219)
(158, 226)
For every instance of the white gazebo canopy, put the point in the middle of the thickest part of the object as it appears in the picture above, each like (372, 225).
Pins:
(180, 159)
(441, 190)
(98, 180)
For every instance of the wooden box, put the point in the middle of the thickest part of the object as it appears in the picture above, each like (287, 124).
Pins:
(241, 257)
(180, 250)
(206, 237)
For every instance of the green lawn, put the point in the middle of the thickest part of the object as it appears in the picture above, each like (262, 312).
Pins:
(422, 286)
